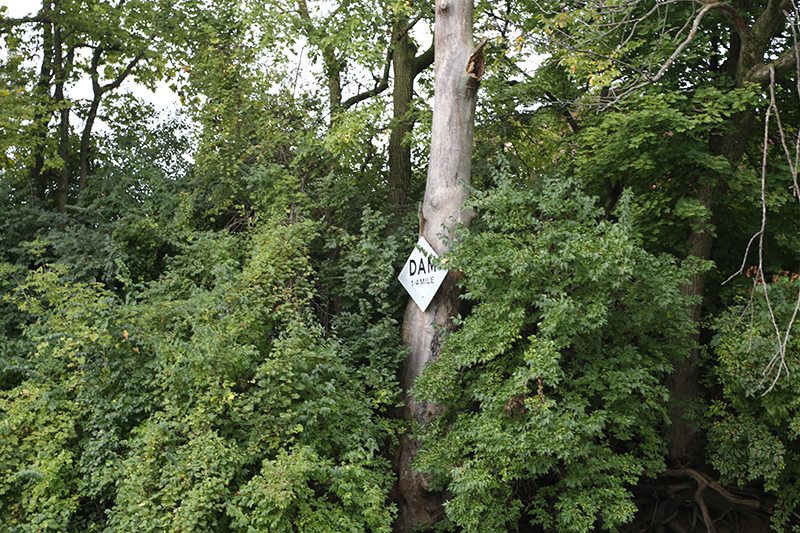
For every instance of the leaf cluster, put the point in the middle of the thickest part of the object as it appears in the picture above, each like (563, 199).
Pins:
(211, 398)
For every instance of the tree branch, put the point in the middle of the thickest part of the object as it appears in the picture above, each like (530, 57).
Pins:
(423, 61)
(731, 14)
(124, 74)
(703, 479)
(381, 86)
(766, 25)
(761, 73)
(10, 23)
(564, 110)
(689, 38)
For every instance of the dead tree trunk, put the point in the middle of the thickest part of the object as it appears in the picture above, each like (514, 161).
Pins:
(458, 70)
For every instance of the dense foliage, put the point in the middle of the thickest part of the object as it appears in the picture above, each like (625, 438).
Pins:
(200, 322)
(552, 386)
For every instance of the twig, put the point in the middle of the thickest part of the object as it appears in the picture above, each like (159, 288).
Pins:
(744, 259)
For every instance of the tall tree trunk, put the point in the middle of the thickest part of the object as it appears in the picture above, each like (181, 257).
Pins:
(40, 178)
(406, 66)
(63, 152)
(684, 444)
(86, 142)
(333, 65)
(458, 69)
(399, 151)
(333, 72)
(98, 91)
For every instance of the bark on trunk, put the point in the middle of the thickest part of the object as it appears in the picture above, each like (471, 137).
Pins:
(458, 69)
(333, 71)
(62, 66)
(406, 67)
(86, 143)
(400, 152)
(685, 445)
(63, 152)
(40, 178)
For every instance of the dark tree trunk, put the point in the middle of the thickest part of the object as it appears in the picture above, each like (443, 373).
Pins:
(97, 95)
(86, 142)
(41, 178)
(62, 66)
(63, 152)
(685, 445)
(333, 71)
(406, 67)
(402, 124)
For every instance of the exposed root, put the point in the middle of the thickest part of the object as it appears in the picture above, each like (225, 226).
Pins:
(689, 501)
(705, 481)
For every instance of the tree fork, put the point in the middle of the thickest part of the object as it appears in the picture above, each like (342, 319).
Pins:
(458, 71)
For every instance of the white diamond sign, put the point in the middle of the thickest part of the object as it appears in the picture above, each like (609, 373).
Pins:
(420, 276)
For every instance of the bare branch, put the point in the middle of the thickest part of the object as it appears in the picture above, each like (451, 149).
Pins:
(706, 481)
(423, 61)
(797, 66)
(381, 86)
(744, 260)
(778, 362)
(622, 92)
(689, 38)
(411, 23)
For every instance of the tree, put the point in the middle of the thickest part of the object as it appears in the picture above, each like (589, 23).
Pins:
(358, 61)
(407, 65)
(459, 68)
(70, 46)
(725, 52)
(213, 340)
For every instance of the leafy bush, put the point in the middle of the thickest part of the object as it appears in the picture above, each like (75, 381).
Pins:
(552, 387)
(754, 430)
(211, 399)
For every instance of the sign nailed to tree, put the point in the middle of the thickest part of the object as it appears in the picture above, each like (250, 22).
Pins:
(420, 276)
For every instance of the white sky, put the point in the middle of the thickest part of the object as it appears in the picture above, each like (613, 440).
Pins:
(20, 8)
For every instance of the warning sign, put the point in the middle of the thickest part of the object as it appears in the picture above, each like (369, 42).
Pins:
(420, 276)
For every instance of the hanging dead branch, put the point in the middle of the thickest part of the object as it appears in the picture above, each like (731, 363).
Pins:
(772, 372)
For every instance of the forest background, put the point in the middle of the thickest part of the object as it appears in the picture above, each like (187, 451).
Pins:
(200, 322)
